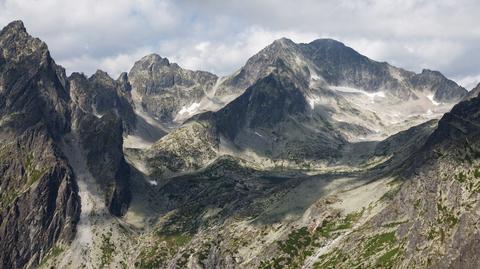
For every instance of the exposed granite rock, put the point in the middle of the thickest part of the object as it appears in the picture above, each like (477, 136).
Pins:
(444, 90)
(219, 212)
(164, 87)
(39, 202)
(101, 139)
(473, 93)
(339, 65)
(100, 94)
(432, 219)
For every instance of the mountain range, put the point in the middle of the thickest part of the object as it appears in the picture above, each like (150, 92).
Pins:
(309, 156)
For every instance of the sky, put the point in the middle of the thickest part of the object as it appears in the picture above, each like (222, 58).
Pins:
(220, 35)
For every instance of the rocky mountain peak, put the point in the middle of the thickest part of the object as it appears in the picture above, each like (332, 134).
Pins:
(16, 43)
(101, 73)
(431, 72)
(283, 42)
(327, 42)
(16, 26)
(155, 59)
(123, 82)
(475, 92)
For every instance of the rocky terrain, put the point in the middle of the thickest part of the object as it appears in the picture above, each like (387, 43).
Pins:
(309, 156)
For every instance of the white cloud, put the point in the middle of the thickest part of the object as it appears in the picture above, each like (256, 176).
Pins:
(468, 82)
(224, 56)
(219, 36)
(113, 65)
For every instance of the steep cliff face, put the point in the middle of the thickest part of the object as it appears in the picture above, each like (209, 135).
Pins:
(281, 164)
(167, 91)
(431, 222)
(39, 107)
(100, 94)
(102, 114)
(473, 93)
(102, 143)
(39, 205)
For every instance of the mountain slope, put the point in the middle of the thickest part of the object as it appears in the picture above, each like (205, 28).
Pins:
(44, 116)
(39, 204)
(307, 103)
(308, 156)
(167, 91)
(431, 221)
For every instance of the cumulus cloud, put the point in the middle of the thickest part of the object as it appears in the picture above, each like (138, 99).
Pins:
(219, 36)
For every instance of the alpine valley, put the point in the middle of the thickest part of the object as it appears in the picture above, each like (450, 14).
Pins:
(309, 156)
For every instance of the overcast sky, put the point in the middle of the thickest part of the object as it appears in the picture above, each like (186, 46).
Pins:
(220, 35)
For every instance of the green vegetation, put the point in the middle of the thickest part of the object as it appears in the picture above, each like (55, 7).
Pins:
(7, 197)
(33, 174)
(54, 252)
(379, 251)
(388, 259)
(389, 195)
(107, 248)
(394, 224)
(461, 177)
(476, 173)
(301, 243)
(297, 241)
(330, 227)
(330, 260)
(162, 248)
(378, 243)
(446, 215)
(469, 180)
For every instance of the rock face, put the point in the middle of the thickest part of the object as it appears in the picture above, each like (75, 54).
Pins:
(167, 91)
(39, 205)
(435, 210)
(39, 105)
(309, 156)
(100, 94)
(473, 93)
(102, 112)
(305, 104)
(338, 65)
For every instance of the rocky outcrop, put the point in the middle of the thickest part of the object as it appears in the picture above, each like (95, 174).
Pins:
(102, 143)
(102, 113)
(473, 93)
(266, 172)
(39, 105)
(164, 88)
(100, 94)
(39, 205)
(342, 66)
(338, 65)
(431, 220)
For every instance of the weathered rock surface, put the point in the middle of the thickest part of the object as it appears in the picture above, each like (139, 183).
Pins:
(282, 164)
(165, 88)
(39, 205)
(39, 105)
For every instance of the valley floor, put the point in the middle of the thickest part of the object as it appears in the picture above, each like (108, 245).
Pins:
(249, 219)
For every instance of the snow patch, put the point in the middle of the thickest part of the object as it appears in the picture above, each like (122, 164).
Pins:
(95, 113)
(187, 111)
(136, 142)
(152, 182)
(430, 97)
(314, 76)
(370, 95)
(258, 134)
(312, 100)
